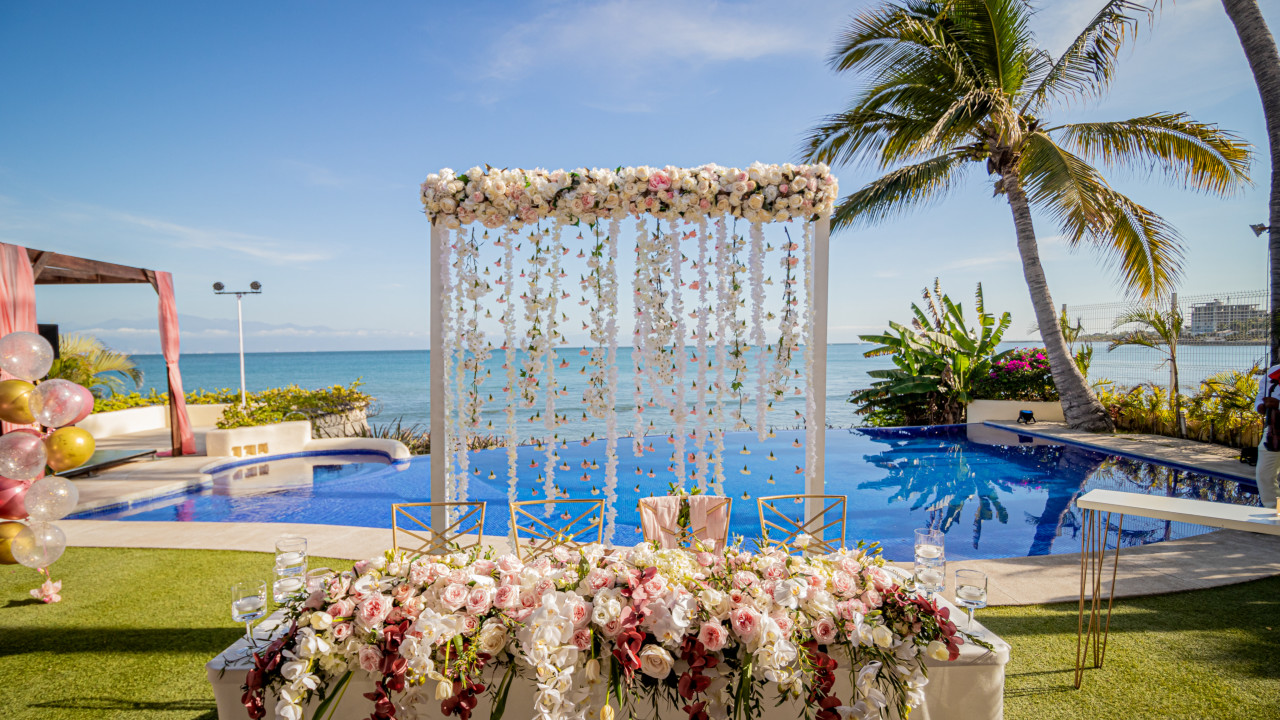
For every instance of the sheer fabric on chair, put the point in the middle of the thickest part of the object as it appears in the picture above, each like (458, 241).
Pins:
(413, 520)
(569, 523)
(708, 524)
(819, 534)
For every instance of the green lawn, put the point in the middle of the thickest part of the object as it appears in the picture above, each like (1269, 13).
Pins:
(135, 628)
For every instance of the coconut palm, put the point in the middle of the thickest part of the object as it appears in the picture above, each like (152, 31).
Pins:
(950, 83)
(1158, 330)
(1260, 50)
(85, 360)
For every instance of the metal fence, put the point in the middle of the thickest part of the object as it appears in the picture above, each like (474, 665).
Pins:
(1221, 332)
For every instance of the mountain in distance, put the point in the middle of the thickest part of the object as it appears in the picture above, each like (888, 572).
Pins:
(216, 335)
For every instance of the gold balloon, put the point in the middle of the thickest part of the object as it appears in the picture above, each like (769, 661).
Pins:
(14, 395)
(68, 447)
(7, 531)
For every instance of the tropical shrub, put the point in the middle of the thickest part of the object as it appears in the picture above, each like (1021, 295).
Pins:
(937, 361)
(1220, 411)
(1022, 374)
(295, 403)
(135, 400)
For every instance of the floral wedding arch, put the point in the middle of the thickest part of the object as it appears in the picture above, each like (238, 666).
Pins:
(698, 298)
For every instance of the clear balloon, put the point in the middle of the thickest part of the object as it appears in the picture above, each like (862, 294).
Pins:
(22, 456)
(38, 545)
(25, 355)
(51, 498)
(57, 402)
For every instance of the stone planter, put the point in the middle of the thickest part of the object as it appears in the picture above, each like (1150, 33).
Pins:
(980, 411)
(338, 425)
(275, 439)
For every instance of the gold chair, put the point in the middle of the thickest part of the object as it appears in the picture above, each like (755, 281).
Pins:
(470, 519)
(814, 528)
(576, 519)
(694, 538)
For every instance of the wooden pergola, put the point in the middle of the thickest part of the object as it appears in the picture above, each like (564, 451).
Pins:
(51, 268)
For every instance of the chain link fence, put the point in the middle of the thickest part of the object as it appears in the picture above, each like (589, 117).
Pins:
(1221, 332)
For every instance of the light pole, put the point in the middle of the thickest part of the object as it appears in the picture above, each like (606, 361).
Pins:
(255, 288)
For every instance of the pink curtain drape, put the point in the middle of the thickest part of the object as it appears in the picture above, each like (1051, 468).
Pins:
(17, 297)
(169, 345)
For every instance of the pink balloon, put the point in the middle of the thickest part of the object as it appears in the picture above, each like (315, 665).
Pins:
(12, 495)
(87, 398)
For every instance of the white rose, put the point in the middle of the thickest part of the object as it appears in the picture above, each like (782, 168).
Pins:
(492, 638)
(321, 621)
(655, 662)
(937, 650)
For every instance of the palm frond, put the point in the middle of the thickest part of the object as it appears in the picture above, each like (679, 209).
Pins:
(1141, 246)
(901, 190)
(1198, 155)
(996, 35)
(1086, 68)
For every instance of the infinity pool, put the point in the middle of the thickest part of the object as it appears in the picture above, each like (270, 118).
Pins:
(995, 493)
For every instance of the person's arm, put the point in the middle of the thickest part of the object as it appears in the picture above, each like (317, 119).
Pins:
(1263, 402)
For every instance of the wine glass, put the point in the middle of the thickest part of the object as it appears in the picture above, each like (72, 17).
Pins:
(971, 594)
(248, 603)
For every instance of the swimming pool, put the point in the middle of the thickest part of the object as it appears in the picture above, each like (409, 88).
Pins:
(995, 493)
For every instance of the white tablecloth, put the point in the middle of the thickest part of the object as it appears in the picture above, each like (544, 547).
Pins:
(969, 688)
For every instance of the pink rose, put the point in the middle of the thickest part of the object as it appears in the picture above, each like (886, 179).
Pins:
(713, 636)
(419, 573)
(881, 579)
(824, 631)
(454, 596)
(412, 607)
(342, 608)
(872, 599)
(745, 622)
(402, 592)
(842, 584)
(599, 579)
(371, 659)
(470, 623)
(509, 564)
(507, 597)
(579, 613)
(544, 586)
(484, 567)
(315, 600)
(458, 576)
(705, 559)
(373, 610)
(612, 628)
(582, 638)
(743, 579)
(659, 181)
(775, 571)
(395, 616)
(341, 631)
(480, 600)
(338, 587)
(784, 622)
(528, 600)
(519, 615)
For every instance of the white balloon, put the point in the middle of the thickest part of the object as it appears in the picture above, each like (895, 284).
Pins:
(22, 456)
(57, 402)
(26, 355)
(51, 498)
(38, 545)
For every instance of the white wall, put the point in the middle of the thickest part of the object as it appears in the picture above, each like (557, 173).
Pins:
(1007, 411)
(141, 419)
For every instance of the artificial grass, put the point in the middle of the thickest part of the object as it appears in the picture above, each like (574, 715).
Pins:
(135, 628)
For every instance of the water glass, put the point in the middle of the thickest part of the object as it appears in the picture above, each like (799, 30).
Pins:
(286, 585)
(316, 578)
(930, 545)
(971, 593)
(930, 575)
(291, 555)
(248, 603)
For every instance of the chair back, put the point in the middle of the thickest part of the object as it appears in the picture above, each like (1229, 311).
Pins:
(411, 524)
(708, 526)
(568, 523)
(816, 534)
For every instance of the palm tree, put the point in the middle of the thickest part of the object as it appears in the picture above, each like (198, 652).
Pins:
(85, 360)
(1159, 330)
(949, 83)
(1264, 61)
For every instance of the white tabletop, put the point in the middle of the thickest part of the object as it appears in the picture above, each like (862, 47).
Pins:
(1199, 512)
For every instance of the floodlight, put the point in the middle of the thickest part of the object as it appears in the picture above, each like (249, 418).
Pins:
(1259, 228)
(217, 287)
(255, 285)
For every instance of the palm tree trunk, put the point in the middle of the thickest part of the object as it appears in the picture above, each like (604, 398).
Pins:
(1080, 406)
(1260, 49)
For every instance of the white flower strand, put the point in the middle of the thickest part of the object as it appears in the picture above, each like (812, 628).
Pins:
(551, 421)
(610, 300)
(700, 431)
(758, 339)
(450, 338)
(680, 355)
(509, 240)
(725, 308)
(639, 336)
(811, 421)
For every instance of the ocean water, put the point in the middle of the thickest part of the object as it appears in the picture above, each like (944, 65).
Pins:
(399, 379)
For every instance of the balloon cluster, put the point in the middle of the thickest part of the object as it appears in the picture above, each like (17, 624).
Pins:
(26, 454)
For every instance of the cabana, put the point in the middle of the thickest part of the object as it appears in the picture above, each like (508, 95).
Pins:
(21, 269)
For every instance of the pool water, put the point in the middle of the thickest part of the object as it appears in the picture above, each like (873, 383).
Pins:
(994, 493)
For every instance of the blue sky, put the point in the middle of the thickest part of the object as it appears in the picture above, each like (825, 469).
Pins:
(284, 142)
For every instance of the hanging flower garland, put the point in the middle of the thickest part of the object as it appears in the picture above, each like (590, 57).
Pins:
(789, 322)
(725, 310)
(738, 326)
(758, 339)
(639, 344)
(552, 421)
(812, 423)
(700, 332)
(610, 302)
(680, 357)
(451, 338)
(508, 242)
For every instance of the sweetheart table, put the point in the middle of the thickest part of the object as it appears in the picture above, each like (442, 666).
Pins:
(968, 688)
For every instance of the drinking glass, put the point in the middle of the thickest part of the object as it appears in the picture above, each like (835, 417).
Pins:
(931, 575)
(316, 578)
(248, 603)
(930, 545)
(287, 584)
(971, 594)
(291, 555)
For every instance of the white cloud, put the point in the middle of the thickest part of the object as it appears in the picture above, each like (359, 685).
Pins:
(255, 246)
